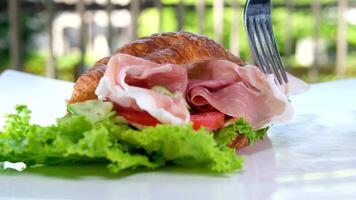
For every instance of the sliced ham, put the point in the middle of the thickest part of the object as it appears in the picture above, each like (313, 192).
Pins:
(213, 89)
(128, 81)
(239, 92)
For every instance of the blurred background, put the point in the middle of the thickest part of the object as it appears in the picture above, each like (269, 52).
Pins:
(62, 38)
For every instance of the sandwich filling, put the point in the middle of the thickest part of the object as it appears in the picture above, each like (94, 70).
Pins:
(211, 93)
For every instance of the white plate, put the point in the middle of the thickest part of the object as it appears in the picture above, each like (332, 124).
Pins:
(312, 157)
(45, 97)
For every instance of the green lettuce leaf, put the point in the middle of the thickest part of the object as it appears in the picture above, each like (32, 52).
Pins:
(225, 135)
(81, 139)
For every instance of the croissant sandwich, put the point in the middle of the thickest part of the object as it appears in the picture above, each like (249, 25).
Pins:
(183, 78)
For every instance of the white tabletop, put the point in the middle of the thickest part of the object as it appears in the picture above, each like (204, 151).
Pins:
(312, 157)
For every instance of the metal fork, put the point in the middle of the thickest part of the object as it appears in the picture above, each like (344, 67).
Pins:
(257, 17)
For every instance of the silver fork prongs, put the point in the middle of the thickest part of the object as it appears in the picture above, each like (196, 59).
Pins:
(261, 39)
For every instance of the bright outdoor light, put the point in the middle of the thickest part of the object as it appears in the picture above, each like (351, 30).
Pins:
(351, 16)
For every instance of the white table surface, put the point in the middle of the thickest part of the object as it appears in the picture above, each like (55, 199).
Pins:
(311, 157)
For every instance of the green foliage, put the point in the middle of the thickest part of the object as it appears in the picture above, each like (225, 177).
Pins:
(148, 22)
(35, 63)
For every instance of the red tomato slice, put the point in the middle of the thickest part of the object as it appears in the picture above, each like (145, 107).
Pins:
(136, 116)
(209, 120)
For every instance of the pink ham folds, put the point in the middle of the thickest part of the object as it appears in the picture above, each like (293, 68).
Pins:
(215, 85)
(240, 92)
(128, 82)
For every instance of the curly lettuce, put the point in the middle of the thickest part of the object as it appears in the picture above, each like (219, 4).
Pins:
(226, 135)
(100, 138)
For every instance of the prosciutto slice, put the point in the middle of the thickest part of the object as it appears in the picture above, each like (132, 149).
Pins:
(128, 82)
(208, 87)
(240, 92)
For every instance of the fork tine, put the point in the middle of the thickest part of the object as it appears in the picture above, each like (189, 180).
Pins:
(257, 38)
(268, 45)
(263, 44)
(276, 54)
(251, 32)
(257, 15)
(252, 38)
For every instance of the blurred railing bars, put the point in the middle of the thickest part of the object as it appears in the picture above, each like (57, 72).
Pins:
(314, 69)
(341, 39)
(180, 13)
(82, 38)
(110, 35)
(50, 66)
(235, 34)
(200, 10)
(135, 11)
(288, 32)
(159, 6)
(15, 49)
(218, 18)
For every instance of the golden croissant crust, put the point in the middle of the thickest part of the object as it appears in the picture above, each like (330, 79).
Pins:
(175, 48)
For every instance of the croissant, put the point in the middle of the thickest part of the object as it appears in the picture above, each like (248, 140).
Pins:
(161, 48)
(174, 48)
